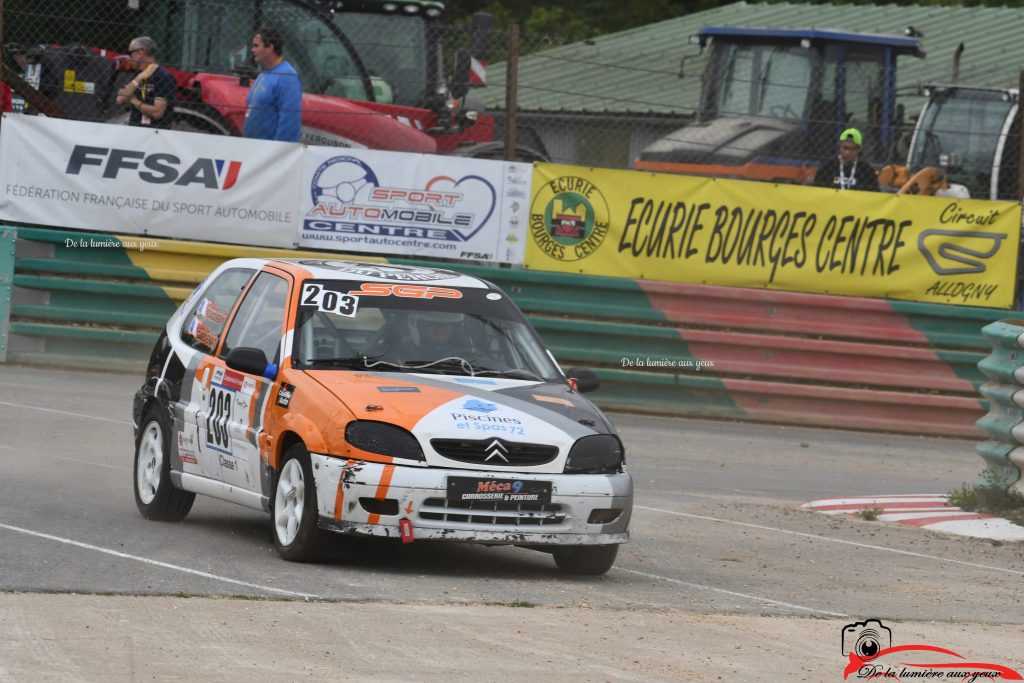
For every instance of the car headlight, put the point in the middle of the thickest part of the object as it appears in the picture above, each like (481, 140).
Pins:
(597, 454)
(384, 439)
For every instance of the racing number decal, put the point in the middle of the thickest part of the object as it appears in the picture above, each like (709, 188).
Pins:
(329, 301)
(218, 414)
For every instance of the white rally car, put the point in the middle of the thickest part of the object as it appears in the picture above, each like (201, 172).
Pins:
(381, 400)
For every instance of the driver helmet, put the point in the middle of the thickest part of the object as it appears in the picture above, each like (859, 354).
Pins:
(434, 327)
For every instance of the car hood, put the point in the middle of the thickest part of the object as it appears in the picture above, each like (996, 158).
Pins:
(456, 407)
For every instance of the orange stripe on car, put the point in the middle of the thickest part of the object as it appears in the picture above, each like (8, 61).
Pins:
(339, 498)
(382, 490)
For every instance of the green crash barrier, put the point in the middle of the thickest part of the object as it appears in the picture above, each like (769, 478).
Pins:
(1003, 452)
(7, 237)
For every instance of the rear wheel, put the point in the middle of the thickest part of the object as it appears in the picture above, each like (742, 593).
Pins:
(155, 495)
(294, 517)
(585, 559)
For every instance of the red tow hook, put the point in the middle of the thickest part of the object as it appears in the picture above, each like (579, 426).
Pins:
(405, 526)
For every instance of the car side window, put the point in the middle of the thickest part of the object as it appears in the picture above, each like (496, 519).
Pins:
(205, 322)
(260, 318)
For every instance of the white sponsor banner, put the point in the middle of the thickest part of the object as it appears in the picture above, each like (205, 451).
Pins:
(414, 204)
(172, 184)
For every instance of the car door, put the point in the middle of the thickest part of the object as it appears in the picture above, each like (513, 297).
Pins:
(202, 330)
(235, 404)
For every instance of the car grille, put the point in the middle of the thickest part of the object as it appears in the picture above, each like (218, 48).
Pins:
(495, 451)
(492, 513)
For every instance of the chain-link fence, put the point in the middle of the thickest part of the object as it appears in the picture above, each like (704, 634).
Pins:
(375, 74)
(393, 75)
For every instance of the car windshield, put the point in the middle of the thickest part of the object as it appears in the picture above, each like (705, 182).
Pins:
(763, 80)
(478, 332)
(964, 128)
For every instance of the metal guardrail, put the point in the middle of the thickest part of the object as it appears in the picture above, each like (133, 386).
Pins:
(706, 351)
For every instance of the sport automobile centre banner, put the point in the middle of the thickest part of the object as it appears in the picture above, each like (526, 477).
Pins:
(172, 184)
(748, 234)
(191, 186)
(414, 204)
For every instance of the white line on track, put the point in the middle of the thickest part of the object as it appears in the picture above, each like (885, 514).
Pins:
(833, 540)
(87, 463)
(157, 563)
(733, 593)
(65, 412)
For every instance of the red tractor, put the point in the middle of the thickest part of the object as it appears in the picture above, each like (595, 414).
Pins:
(372, 72)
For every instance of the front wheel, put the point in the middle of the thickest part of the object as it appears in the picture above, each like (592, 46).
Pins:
(155, 495)
(586, 559)
(294, 517)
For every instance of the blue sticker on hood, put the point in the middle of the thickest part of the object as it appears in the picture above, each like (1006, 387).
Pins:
(478, 405)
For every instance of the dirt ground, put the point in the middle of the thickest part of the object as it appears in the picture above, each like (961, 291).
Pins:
(60, 637)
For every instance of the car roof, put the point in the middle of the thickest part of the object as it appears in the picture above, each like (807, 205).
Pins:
(366, 271)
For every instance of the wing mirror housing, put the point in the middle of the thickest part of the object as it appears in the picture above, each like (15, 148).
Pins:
(251, 361)
(583, 379)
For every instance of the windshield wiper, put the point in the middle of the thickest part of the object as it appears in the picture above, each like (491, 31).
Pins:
(511, 373)
(357, 361)
(448, 363)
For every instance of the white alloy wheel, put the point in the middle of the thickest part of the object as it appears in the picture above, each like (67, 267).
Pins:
(149, 462)
(289, 502)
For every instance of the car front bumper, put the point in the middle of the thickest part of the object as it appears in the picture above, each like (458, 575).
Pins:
(357, 497)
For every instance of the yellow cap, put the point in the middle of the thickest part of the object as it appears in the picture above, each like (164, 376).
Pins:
(853, 135)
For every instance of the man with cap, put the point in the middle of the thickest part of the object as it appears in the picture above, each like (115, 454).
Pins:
(846, 171)
(151, 92)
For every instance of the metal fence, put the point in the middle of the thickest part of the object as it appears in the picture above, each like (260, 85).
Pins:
(394, 75)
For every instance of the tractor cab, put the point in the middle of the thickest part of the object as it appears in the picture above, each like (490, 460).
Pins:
(774, 101)
(974, 133)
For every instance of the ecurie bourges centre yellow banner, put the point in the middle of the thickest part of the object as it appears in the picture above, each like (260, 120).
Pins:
(787, 237)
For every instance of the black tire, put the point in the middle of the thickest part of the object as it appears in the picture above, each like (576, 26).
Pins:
(293, 515)
(203, 119)
(155, 495)
(586, 559)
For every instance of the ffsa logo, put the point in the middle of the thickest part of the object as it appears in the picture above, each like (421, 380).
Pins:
(160, 168)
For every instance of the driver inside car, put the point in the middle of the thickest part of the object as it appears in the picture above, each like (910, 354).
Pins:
(438, 334)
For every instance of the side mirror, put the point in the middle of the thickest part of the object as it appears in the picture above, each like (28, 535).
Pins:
(247, 73)
(251, 361)
(583, 379)
(460, 79)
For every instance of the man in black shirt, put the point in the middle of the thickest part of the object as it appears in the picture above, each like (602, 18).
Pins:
(151, 92)
(846, 172)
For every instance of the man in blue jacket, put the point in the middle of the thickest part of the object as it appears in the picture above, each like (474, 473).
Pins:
(273, 110)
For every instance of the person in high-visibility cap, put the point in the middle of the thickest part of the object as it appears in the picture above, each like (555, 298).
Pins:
(847, 171)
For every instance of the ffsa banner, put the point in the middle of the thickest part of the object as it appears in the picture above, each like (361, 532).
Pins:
(746, 234)
(414, 204)
(173, 184)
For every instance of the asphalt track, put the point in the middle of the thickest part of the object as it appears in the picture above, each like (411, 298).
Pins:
(717, 531)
